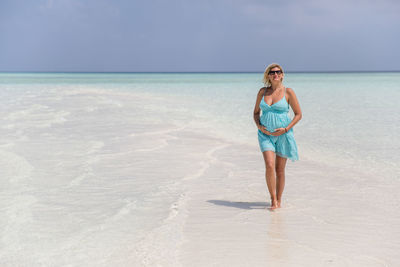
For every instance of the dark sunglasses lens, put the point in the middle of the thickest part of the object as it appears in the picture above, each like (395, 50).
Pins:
(275, 71)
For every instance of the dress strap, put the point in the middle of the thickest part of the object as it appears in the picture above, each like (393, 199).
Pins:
(284, 95)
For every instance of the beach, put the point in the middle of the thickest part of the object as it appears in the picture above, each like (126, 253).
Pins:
(165, 170)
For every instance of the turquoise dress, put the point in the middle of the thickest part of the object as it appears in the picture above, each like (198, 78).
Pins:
(273, 117)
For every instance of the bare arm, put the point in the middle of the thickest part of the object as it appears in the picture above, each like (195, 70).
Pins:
(257, 110)
(294, 104)
(256, 113)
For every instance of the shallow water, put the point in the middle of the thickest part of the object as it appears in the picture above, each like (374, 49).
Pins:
(94, 164)
(350, 118)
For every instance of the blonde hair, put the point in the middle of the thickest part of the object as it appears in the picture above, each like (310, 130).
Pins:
(266, 80)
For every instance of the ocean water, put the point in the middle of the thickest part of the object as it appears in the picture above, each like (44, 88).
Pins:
(348, 118)
(85, 157)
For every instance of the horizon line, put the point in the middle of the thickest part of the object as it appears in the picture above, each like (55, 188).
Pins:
(200, 72)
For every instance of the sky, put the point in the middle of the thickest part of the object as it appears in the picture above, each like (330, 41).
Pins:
(199, 36)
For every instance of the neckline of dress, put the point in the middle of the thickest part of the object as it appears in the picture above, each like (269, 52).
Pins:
(284, 96)
(273, 103)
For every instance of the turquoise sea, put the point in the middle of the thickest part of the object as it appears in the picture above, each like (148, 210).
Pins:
(113, 168)
(348, 118)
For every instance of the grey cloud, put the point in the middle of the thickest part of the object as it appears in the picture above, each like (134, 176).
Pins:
(224, 35)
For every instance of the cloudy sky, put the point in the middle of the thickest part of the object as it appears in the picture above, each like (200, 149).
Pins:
(202, 35)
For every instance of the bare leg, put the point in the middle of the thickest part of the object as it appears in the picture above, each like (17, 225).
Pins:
(269, 159)
(280, 164)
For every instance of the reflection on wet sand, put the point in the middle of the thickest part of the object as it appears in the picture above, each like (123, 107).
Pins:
(277, 237)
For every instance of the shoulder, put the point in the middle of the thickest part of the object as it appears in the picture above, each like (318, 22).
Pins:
(261, 91)
(290, 91)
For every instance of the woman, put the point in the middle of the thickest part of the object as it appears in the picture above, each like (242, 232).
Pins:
(275, 133)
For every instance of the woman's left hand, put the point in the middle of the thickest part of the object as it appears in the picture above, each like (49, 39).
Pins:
(278, 132)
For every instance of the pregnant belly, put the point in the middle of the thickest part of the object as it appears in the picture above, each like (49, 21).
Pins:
(273, 121)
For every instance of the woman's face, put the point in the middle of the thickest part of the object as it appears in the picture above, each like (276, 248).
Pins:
(275, 75)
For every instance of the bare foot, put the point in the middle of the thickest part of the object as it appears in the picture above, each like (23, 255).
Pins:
(273, 207)
(279, 203)
(274, 204)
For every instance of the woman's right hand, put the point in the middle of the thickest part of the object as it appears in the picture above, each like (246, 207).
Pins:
(264, 130)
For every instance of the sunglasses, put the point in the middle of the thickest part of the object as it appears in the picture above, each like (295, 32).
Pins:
(272, 72)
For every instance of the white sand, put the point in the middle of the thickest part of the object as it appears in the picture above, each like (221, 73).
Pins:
(95, 178)
(330, 217)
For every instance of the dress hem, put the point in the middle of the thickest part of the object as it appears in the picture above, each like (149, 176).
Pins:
(282, 155)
